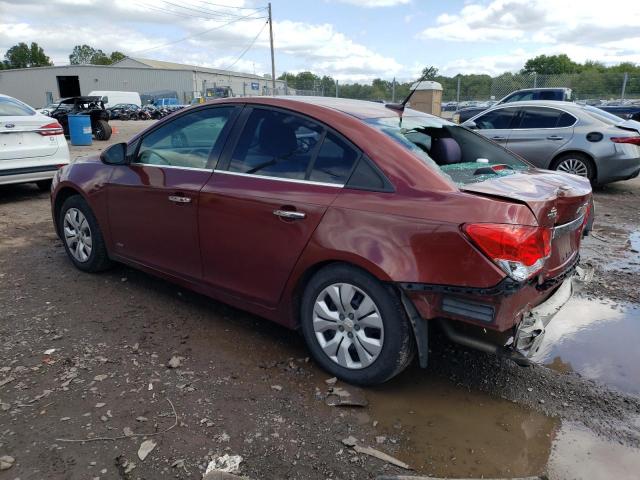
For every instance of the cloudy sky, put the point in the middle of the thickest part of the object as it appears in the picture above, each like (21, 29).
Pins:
(352, 40)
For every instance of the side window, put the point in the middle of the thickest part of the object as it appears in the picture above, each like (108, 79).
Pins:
(538, 117)
(496, 119)
(566, 120)
(276, 144)
(186, 141)
(549, 95)
(519, 97)
(334, 162)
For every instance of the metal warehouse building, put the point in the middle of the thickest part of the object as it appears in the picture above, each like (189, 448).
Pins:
(39, 85)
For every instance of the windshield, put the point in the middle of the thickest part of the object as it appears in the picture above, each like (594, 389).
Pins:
(454, 151)
(10, 107)
(602, 115)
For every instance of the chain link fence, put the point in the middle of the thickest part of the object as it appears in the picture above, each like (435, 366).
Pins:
(592, 87)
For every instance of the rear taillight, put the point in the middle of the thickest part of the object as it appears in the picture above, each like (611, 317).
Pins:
(49, 129)
(520, 250)
(631, 140)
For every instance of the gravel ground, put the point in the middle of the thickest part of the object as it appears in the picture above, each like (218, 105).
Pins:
(114, 356)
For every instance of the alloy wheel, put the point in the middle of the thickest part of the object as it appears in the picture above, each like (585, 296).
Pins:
(77, 234)
(574, 166)
(348, 326)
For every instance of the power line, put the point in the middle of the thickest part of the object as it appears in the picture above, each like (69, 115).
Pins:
(228, 6)
(246, 49)
(217, 27)
(191, 15)
(221, 14)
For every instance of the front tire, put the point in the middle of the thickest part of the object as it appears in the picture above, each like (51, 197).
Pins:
(356, 327)
(81, 236)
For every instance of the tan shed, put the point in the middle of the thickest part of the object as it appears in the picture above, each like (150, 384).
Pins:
(427, 97)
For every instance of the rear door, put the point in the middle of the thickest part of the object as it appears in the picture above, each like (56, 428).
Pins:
(259, 209)
(21, 133)
(496, 124)
(540, 132)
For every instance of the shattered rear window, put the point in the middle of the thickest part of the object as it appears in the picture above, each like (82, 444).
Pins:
(451, 150)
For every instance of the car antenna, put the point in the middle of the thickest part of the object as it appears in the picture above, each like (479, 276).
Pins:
(401, 106)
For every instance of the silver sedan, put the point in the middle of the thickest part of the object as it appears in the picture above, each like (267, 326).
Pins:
(565, 136)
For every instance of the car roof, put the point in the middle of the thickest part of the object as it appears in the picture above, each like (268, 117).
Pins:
(538, 103)
(361, 109)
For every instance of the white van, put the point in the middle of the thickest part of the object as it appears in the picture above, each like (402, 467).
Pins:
(111, 98)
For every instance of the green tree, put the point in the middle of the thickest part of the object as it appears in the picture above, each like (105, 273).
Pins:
(116, 56)
(81, 54)
(25, 56)
(552, 64)
(429, 73)
(86, 54)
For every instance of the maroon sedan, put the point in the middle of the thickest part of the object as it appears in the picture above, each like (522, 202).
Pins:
(358, 223)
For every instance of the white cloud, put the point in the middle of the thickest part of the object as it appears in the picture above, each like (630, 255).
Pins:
(299, 45)
(376, 3)
(544, 21)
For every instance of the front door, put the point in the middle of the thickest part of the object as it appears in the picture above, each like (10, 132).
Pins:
(539, 134)
(262, 205)
(153, 202)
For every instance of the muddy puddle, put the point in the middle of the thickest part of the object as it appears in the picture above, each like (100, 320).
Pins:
(445, 430)
(630, 262)
(578, 453)
(597, 339)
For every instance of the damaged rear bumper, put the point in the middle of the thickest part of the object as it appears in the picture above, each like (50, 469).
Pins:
(519, 342)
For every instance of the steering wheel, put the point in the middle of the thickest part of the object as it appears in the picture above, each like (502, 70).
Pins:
(147, 153)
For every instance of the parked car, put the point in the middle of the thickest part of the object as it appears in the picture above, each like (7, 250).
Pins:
(111, 97)
(356, 222)
(32, 145)
(564, 136)
(526, 94)
(91, 106)
(627, 112)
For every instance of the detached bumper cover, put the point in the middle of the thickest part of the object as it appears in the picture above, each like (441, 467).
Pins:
(530, 332)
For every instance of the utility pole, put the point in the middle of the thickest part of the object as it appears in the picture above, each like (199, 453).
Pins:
(336, 88)
(624, 85)
(273, 61)
(458, 90)
(393, 90)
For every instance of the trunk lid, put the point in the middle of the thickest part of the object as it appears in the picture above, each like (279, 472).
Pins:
(558, 201)
(19, 137)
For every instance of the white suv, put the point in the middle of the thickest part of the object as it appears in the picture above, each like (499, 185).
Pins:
(32, 146)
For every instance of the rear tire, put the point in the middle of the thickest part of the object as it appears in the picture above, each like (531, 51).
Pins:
(365, 337)
(44, 185)
(81, 236)
(103, 130)
(575, 163)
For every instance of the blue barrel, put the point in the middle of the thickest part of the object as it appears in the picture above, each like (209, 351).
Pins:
(80, 129)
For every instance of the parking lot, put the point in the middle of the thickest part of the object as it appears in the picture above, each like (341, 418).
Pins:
(90, 364)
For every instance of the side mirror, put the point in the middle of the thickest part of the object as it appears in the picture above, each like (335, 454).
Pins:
(116, 154)
(471, 125)
(105, 99)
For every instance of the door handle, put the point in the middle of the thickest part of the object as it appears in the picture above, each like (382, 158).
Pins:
(554, 137)
(179, 199)
(290, 214)
(498, 138)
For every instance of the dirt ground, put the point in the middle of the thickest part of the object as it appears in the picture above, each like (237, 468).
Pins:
(87, 357)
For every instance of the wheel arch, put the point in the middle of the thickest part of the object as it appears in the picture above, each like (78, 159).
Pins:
(62, 194)
(304, 276)
(580, 152)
